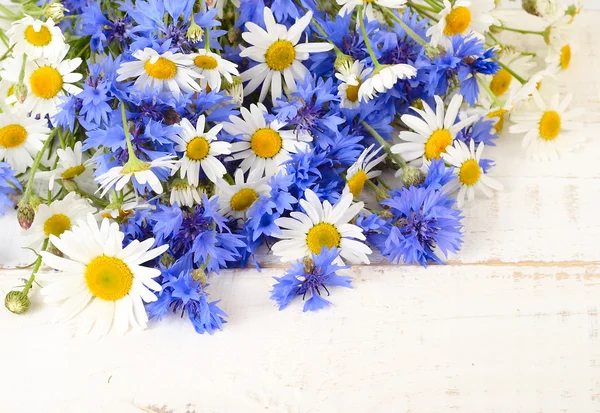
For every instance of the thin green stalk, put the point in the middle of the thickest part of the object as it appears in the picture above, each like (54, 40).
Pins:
(512, 29)
(512, 72)
(130, 150)
(386, 146)
(34, 167)
(366, 38)
(423, 10)
(22, 73)
(436, 7)
(410, 32)
(36, 268)
(485, 87)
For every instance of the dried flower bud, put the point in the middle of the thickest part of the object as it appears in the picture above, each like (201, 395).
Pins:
(540, 8)
(55, 11)
(167, 259)
(171, 117)
(25, 215)
(17, 302)
(20, 91)
(233, 35)
(386, 214)
(199, 275)
(412, 176)
(309, 264)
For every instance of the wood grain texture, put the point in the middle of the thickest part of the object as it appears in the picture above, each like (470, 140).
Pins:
(510, 325)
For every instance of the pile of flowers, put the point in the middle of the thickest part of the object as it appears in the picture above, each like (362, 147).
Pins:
(150, 144)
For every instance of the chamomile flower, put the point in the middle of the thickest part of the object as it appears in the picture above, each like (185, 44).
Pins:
(70, 165)
(278, 55)
(384, 78)
(559, 56)
(503, 83)
(123, 210)
(468, 172)
(234, 200)
(158, 72)
(550, 129)
(463, 17)
(7, 89)
(36, 38)
(322, 225)
(141, 171)
(352, 80)
(433, 132)
(47, 82)
(200, 151)
(184, 194)
(362, 169)
(56, 218)
(21, 138)
(263, 147)
(102, 283)
(211, 67)
(348, 6)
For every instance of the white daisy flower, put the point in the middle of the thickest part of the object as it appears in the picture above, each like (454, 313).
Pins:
(36, 38)
(559, 56)
(433, 132)
(70, 165)
(56, 218)
(463, 17)
(102, 282)
(559, 31)
(362, 169)
(278, 55)
(234, 200)
(384, 78)
(124, 210)
(210, 66)
(200, 151)
(550, 129)
(351, 83)
(184, 194)
(263, 147)
(159, 72)
(322, 225)
(21, 138)
(47, 82)
(141, 171)
(503, 83)
(7, 89)
(348, 6)
(468, 172)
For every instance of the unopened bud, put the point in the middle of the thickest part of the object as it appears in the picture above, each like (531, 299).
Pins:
(234, 89)
(25, 215)
(171, 116)
(20, 91)
(194, 32)
(343, 62)
(167, 259)
(573, 10)
(381, 194)
(412, 176)
(432, 51)
(55, 11)
(385, 214)
(199, 275)
(70, 185)
(233, 35)
(309, 264)
(17, 302)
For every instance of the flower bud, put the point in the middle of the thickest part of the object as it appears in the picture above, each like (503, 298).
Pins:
(539, 8)
(381, 194)
(25, 215)
(17, 302)
(171, 116)
(385, 214)
(412, 176)
(55, 11)
(199, 275)
(235, 90)
(20, 91)
(70, 185)
(194, 32)
(167, 259)
(343, 62)
(309, 264)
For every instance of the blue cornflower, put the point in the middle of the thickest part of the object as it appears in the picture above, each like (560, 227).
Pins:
(423, 221)
(480, 131)
(8, 185)
(167, 221)
(438, 174)
(94, 106)
(312, 277)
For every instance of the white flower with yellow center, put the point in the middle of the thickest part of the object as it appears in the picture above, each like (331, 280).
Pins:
(184, 194)
(210, 66)
(503, 83)
(362, 170)
(122, 210)
(200, 151)
(234, 200)
(21, 138)
(433, 132)
(36, 38)
(102, 282)
(263, 147)
(463, 17)
(351, 82)
(550, 129)
(56, 218)
(159, 72)
(559, 56)
(141, 171)
(47, 82)
(348, 6)
(278, 55)
(70, 165)
(468, 172)
(322, 225)
(7, 89)
(383, 79)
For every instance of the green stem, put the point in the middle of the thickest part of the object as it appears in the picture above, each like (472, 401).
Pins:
(485, 87)
(386, 146)
(434, 6)
(22, 73)
(410, 32)
(366, 38)
(130, 150)
(98, 201)
(36, 268)
(34, 167)
(512, 72)
(511, 29)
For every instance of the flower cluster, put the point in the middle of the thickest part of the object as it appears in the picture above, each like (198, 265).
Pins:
(153, 143)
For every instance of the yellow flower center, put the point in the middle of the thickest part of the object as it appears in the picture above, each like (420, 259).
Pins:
(11, 91)
(12, 136)
(501, 82)
(500, 115)
(565, 57)
(56, 225)
(437, 143)
(322, 235)
(266, 143)
(357, 182)
(197, 149)
(469, 172)
(243, 199)
(41, 38)
(162, 69)
(108, 278)
(550, 125)
(457, 21)
(46, 82)
(205, 62)
(72, 172)
(352, 92)
(280, 55)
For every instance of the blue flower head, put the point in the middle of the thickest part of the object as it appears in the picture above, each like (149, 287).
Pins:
(8, 185)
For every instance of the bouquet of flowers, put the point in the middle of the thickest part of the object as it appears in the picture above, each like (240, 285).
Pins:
(149, 144)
